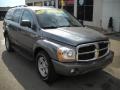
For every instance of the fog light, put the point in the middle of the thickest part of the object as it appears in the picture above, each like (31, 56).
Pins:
(72, 70)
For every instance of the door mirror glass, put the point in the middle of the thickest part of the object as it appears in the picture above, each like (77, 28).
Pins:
(25, 23)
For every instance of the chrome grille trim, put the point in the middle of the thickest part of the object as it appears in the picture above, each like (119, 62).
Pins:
(86, 53)
(103, 49)
(97, 48)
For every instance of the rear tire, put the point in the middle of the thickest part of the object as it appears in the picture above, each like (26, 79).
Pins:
(8, 44)
(45, 67)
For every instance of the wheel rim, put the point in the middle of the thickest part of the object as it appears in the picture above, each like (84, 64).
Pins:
(43, 66)
(7, 43)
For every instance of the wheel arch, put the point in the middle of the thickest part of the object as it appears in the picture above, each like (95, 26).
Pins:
(49, 47)
(5, 33)
(37, 50)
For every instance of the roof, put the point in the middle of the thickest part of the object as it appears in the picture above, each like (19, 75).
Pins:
(34, 8)
(39, 7)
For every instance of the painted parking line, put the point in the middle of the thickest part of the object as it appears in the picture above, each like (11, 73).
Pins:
(2, 42)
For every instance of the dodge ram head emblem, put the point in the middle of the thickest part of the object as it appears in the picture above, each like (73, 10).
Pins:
(96, 51)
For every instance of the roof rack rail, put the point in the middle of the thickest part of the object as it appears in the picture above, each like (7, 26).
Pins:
(21, 6)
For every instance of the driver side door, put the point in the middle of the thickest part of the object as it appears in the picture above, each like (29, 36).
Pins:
(27, 36)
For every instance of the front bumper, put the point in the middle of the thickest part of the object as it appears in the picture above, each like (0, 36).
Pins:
(76, 68)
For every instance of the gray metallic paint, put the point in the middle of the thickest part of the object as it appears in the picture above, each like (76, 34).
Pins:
(74, 35)
(51, 39)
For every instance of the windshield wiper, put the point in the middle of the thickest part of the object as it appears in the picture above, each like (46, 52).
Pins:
(50, 27)
(76, 25)
(65, 26)
(71, 26)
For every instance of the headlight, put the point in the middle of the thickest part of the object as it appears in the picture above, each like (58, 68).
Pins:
(65, 54)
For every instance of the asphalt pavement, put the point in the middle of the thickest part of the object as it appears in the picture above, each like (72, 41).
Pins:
(18, 73)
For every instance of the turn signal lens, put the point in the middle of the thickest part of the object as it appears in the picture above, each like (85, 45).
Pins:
(59, 55)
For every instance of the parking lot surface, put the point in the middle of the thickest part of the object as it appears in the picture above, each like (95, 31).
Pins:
(17, 73)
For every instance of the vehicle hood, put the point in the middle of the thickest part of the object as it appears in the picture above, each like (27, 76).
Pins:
(74, 35)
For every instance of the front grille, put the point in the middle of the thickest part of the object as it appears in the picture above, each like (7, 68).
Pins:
(86, 49)
(103, 45)
(102, 52)
(86, 56)
(92, 51)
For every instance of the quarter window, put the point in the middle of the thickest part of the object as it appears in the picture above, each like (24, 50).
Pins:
(9, 14)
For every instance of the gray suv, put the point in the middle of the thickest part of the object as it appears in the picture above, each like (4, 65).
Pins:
(56, 41)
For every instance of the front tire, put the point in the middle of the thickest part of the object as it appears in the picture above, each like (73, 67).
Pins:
(45, 67)
(8, 44)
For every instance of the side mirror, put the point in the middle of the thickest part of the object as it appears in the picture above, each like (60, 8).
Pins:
(25, 23)
(34, 27)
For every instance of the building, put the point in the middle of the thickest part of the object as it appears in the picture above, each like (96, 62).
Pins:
(93, 12)
(3, 11)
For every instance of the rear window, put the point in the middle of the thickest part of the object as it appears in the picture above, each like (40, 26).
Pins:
(9, 14)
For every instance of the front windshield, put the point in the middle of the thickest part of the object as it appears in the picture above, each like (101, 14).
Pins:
(55, 18)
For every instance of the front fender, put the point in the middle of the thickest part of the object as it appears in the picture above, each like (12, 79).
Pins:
(48, 46)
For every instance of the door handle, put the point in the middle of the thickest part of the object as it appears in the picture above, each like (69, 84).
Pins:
(23, 32)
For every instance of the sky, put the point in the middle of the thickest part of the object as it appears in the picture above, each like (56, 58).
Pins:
(5, 3)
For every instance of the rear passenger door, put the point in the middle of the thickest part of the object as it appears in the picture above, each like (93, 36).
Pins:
(27, 34)
(8, 24)
(14, 25)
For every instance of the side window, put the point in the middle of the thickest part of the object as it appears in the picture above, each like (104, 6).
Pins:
(16, 15)
(27, 16)
(9, 14)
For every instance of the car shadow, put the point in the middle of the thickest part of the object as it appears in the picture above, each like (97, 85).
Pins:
(26, 74)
